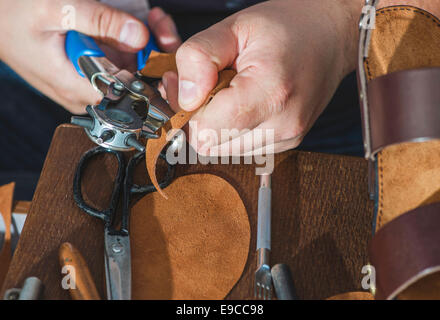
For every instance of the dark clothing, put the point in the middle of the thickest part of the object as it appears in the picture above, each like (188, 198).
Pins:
(28, 119)
(197, 6)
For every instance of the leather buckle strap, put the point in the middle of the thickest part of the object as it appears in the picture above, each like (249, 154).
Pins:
(404, 106)
(366, 26)
(406, 250)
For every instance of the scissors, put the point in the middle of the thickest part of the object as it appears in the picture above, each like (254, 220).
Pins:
(131, 109)
(116, 240)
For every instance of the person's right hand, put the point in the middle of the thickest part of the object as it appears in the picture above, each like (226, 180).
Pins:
(33, 41)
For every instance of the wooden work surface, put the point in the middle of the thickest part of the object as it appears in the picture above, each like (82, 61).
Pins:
(321, 218)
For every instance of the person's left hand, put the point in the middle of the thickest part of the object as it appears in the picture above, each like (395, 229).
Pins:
(165, 32)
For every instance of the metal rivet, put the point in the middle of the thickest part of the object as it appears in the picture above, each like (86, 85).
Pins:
(117, 248)
(118, 86)
(137, 86)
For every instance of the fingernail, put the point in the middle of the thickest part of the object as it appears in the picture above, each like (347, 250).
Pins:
(130, 33)
(167, 40)
(187, 93)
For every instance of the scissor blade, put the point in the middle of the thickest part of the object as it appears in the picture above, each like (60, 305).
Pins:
(117, 267)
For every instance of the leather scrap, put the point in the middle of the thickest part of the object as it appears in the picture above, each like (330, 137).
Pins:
(355, 295)
(6, 200)
(158, 63)
(156, 66)
(193, 246)
(405, 38)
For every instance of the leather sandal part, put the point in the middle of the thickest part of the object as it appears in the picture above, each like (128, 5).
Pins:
(156, 66)
(193, 246)
(6, 200)
(416, 236)
(408, 173)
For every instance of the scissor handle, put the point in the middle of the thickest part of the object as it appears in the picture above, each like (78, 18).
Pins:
(78, 45)
(106, 215)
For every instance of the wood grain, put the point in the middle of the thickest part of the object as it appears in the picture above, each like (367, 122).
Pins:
(321, 218)
(84, 288)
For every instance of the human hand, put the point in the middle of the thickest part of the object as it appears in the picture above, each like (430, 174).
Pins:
(35, 36)
(290, 56)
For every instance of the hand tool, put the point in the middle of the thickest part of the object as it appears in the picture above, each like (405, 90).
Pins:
(283, 283)
(263, 277)
(85, 288)
(32, 290)
(117, 241)
(131, 107)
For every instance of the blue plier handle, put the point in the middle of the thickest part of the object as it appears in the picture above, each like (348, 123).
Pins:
(79, 44)
(130, 107)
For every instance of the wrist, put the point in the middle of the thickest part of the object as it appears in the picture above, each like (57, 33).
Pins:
(351, 10)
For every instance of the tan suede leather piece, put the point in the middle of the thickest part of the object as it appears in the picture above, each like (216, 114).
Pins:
(6, 200)
(158, 63)
(356, 295)
(192, 246)
(156, 66)
(409, 173)
(405, 38)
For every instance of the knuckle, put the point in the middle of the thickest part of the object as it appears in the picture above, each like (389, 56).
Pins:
(196, 49)
(101, 21)
(280, 97)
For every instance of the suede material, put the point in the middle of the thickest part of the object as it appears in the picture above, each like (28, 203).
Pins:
(158, 63)
(409, 173)
(6, 199)
(85, 288)
(358, 295)
(405, 38)
(192, 246)
(156, 66)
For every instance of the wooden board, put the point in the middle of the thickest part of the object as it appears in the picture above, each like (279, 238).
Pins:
(321, 220)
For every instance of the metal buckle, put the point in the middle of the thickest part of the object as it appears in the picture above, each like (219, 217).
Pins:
(366, 25)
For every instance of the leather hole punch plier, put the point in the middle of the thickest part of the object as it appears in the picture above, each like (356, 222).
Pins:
(130, 109)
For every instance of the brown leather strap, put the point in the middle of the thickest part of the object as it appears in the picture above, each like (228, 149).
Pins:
(406, 250)
(404, 107)
(156, 66)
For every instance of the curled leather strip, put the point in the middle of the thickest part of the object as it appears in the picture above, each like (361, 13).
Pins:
(156, 66)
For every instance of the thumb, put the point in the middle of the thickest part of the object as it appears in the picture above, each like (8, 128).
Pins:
(200, 59)
(111, 26)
